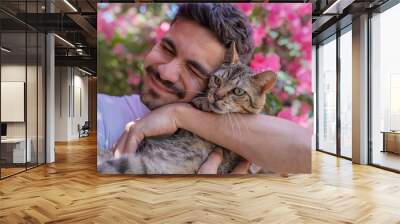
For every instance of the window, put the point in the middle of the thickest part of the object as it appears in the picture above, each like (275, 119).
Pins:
(327, 96)
(22, 77)
(385, 89)
(346, 93)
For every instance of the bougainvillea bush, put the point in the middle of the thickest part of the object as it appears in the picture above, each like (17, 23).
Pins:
(281, 32)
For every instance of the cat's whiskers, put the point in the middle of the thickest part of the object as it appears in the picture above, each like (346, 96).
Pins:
(235, 126)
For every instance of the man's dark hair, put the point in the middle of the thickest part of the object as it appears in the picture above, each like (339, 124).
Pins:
(226, 21)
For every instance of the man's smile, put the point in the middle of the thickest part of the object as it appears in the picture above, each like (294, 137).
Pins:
(158, 86)
(162, 86)
(155, 83)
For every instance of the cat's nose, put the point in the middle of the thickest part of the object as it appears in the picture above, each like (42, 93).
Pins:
(218, 96)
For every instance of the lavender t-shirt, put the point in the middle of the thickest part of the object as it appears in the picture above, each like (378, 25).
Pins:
(113, 113)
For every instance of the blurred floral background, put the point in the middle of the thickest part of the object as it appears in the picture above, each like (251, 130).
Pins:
(282, 36)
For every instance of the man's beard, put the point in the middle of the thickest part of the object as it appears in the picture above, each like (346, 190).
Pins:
(152, 99)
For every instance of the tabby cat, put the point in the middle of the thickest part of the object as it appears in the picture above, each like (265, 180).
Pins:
(233, 88)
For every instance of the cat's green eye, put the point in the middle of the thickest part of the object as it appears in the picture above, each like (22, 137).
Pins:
(238, 91)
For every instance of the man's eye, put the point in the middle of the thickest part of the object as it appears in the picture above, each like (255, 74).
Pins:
(195, 72)
(168, 50)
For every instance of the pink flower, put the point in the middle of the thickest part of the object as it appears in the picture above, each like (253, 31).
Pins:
(161, 30)
(306, 49)
(303, 75)
(260, 63)
(303, 87)
(294, 22)
(305, 108)
(283, 96)
(293, 66)
(119, 50)
(304, 9)
(107, 29)
(258, 35)
(302, 120)
(123, 26)
(245, 7)
(274, 20)
(277, 13)
(133, 78)
(302, 35)
(286, 113)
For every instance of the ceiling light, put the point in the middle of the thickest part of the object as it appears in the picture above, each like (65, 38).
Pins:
(337, 7)
(331, 7)
(65, 41)
(71, 6)
(86, 72)
(5, 50)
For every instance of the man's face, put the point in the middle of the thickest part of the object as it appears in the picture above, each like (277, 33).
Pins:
(177, 67)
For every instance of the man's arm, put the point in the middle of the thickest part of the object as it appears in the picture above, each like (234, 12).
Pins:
(275, 144)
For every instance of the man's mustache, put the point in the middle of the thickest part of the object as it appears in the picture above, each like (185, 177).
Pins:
(168, 84)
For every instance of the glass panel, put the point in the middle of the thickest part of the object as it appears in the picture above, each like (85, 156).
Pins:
(41, 98)
(385, 89)
(314, 72)
(31, 98)
(346, 94)
(32, 89)
(13, 87)
(23, 88)
(327, 96)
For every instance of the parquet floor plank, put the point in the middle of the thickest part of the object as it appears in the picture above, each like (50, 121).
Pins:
(71, 191)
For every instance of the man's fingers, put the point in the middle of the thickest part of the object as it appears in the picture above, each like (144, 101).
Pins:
(210, 166)
(119, 146)
(241, 168)
(132, 140)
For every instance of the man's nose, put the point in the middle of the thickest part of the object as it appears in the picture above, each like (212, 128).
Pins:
(169, 71)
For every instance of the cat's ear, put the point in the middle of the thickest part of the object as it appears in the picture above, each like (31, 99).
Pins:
(265, 80)
(235, 56)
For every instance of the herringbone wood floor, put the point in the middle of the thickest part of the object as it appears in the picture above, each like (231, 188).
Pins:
(70, 191)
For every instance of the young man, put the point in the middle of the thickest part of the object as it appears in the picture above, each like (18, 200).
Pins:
(177, 69)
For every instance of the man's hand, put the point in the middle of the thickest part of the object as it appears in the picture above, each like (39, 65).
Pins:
(161, 121)
(210, 166)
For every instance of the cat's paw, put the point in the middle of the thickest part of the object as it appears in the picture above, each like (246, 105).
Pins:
(201, 103)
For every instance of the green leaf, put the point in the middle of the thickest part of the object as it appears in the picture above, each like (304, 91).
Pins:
(273, 34)
(283, 41)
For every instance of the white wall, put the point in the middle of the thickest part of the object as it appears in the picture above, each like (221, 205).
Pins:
(71, 94)
(62, 81)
